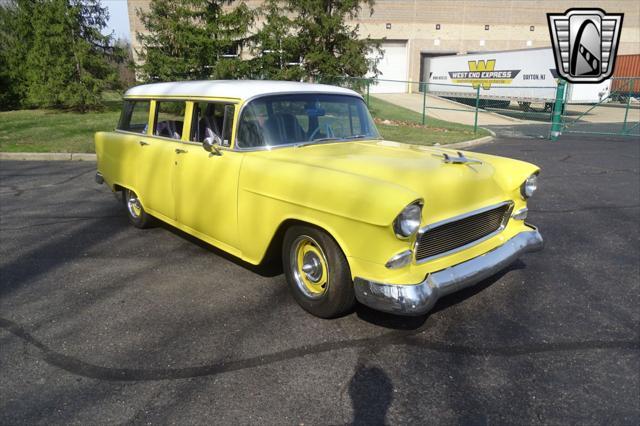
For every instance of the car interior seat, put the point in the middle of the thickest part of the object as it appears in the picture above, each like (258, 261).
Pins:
(283, 128)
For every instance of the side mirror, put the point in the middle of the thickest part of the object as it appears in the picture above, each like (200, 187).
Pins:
(211, 143)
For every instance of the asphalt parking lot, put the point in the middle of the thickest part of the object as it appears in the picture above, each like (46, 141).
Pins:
(104, 323)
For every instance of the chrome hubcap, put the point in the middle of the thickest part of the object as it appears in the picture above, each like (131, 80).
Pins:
(134, 206)
(311, 266)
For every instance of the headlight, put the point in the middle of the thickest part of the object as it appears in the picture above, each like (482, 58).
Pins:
(529, 186)
(408, 221)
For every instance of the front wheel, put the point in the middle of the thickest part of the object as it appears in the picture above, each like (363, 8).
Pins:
(136, 213)
(317, 272)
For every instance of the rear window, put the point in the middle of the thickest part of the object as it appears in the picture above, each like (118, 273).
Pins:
(135, 116)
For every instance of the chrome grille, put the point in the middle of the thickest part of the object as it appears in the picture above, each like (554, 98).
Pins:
(457, 233)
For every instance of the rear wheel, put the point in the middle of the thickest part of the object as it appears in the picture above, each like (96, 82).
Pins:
(136, 213)
(317, 272)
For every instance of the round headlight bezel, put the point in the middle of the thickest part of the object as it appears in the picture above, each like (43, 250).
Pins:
(408, 221)
(529, 186)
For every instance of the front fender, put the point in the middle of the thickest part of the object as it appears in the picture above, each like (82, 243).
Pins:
(354, 209)
(336, 192)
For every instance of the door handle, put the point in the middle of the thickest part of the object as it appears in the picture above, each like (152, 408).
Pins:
(143, 143)
(181, 151)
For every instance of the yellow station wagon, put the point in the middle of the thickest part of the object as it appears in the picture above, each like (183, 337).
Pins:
(262, 167)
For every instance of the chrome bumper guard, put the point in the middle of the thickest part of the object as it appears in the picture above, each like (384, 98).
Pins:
(418, 299)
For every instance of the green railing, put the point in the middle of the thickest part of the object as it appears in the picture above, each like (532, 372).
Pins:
(616, 113)
(467, 103)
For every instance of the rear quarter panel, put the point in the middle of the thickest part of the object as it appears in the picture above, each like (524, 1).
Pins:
(116, 154)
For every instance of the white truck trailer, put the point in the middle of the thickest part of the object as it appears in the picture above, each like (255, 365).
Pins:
(526, 76)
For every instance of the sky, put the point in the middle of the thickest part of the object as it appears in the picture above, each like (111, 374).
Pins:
(118, 18)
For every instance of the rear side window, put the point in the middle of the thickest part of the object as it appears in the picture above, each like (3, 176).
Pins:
(169, 119)
(135, 116)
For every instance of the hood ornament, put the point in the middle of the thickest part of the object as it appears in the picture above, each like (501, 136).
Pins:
(460, 159)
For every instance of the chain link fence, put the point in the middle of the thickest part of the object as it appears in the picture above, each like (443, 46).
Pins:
(547, 110)
(617, 114)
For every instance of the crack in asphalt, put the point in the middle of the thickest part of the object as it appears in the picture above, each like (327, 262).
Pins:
(19, 191)
(60, 221)
(595, 173)
(79, 367)
(587, 208)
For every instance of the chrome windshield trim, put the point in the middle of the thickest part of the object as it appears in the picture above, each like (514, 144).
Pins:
(304, 144)
(269, 148)
(503, 225)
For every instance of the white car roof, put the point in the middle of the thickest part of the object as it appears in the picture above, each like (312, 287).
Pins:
(239, 89)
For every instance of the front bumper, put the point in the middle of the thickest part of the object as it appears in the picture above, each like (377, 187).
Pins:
(418, 299)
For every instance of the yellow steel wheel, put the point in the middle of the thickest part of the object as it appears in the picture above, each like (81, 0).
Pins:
(309, 267)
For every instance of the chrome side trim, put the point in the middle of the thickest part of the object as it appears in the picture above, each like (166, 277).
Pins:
(420, 298)
(520, 214)
(505, 221)
(403, 254)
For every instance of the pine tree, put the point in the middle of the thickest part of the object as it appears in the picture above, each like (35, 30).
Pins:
(277, 50)
(15, 42)
(55, 53)
(319, 34)
(194, 39)
(67, 64)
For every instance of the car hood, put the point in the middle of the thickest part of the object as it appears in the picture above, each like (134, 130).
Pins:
(447, 189)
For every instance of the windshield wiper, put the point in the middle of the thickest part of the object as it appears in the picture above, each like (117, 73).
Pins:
(358, 137)
(302, 144)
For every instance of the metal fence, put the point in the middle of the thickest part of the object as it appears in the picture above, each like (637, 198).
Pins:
(547, 109)
(616, 114)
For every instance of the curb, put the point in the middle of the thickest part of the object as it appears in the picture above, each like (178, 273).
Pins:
(473, 142)
(47, 156)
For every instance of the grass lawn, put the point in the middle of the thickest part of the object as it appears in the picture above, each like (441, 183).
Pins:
(406, 126)
(57, 131)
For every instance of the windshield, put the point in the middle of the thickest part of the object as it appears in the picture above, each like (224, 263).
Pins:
(304, 118)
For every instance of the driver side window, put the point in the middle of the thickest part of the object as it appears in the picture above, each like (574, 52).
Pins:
(212, 119)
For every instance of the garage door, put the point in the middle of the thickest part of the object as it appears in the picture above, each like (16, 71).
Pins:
(392, 66)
